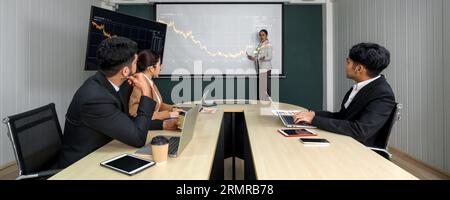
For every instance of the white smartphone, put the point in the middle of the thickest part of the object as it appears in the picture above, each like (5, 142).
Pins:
(315, 141)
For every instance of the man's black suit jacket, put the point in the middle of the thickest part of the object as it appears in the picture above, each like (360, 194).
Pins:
(368, 112)
(98, 114)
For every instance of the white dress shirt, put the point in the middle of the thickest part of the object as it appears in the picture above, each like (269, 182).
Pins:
(356, 88)
(115, 87)
(155, 94)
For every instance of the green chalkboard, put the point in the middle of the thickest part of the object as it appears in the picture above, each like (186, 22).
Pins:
(302, 55)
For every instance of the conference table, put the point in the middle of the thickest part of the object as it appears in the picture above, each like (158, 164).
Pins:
(247, 130)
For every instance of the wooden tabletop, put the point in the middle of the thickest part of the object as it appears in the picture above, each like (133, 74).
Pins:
(275, 156)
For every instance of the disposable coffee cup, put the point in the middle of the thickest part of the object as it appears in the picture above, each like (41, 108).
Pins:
(160, 149)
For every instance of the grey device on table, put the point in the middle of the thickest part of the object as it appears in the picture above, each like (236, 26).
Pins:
(288, 120)
(178, 143)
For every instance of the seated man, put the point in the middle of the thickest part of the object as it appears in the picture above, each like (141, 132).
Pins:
(98, 112)
(367, 106)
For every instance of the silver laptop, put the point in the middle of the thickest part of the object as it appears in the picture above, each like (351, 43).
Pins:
(178, 144)
(288, 120)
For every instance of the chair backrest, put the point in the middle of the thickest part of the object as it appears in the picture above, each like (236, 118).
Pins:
(382, 139)
(36, 138)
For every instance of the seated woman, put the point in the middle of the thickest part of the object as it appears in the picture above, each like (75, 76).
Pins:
(150, 65)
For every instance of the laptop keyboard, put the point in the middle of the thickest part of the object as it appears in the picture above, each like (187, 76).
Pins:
(173, 145)
(290, 120)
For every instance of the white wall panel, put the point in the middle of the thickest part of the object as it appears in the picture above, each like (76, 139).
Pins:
(42, 50)
(414, 33)
(446, 75)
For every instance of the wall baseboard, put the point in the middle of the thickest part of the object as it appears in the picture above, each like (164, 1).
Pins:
(9, 171)
(418, 168)
(7, 165)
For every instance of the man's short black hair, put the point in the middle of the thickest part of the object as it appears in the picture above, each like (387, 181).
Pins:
(115, 53)
(374, 57)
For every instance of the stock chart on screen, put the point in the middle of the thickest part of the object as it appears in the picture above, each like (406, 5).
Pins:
(105, 24)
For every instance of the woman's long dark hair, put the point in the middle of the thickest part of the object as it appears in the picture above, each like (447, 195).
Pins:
(146, 58)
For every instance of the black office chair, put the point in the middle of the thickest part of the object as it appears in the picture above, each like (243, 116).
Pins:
(36, 139)
(382, 141)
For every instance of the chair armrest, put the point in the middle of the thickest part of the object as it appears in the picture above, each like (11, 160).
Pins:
(43, 174)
